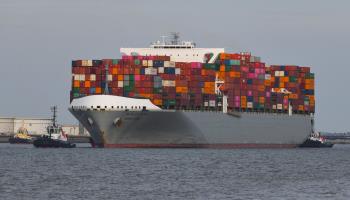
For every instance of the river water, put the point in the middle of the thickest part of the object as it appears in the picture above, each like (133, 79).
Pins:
(87, 173)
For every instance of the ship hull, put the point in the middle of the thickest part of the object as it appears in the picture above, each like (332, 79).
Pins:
(194, 129)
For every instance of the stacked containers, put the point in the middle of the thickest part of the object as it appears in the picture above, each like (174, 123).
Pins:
(248, 83)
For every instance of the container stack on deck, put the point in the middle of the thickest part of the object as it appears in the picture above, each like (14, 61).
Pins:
(249, 84)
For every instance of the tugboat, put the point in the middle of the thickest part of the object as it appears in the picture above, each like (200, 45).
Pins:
(21, 137)
(55, 137)
(316, 141)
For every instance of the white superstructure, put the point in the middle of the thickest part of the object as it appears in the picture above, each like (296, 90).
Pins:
(179, 51)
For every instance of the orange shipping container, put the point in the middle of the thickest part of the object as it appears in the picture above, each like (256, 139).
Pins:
(261, 88)
(209, 84)
(281, 85)
(222, 68)
(235, 74)
(301, 108)
(267, 82)
(76, 84)
(120, 77)
(243, 99)
(208, 91)
(221, 75)
(309, 86)
(293, 96)
(309, 81)
(114, 71)
(261, 99)
(157, 102)
(87, 84)
(243, 104)
(98, 90)
(181, 90)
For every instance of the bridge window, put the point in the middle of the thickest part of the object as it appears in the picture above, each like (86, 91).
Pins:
(117, 107)
(121, 107)
(98, 106)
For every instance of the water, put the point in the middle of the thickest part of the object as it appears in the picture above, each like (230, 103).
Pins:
(86, 173)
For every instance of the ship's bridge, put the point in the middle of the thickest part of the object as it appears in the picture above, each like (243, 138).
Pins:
(179, 51)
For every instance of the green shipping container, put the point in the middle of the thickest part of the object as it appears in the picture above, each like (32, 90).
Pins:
(293, 79)
(115, 61)
(309, 75)
(137, 62)
(211, 66)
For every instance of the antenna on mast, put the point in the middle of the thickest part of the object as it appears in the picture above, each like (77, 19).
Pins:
(54, 115)
(175, 36)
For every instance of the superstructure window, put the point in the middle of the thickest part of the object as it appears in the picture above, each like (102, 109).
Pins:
(122, 107)
(117, 107)
(98, 106)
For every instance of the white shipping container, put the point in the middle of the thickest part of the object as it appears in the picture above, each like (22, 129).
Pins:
(250, 105)
(168, 83)
(274, 107)
(109, 77)
(144, 63)
(150, 63)
(76, 77)
(82, 77)
(161, 70)
(281, 73)
(279, 106)
(93, 77)
(171, 64)
(166, 63)
(277, 73)
(212, 103)
(177, 71)
(89, 63)
(120, 84)
(267, 76)
(206, 104)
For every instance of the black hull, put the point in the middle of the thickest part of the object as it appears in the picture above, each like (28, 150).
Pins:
(315, 144)
(13, 140)
(44, 142)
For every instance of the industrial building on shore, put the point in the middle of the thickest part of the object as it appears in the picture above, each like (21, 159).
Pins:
(35, 126)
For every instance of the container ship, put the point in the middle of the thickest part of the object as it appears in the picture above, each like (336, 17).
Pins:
(174, 94)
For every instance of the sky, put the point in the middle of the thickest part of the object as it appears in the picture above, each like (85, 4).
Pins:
(40, 38)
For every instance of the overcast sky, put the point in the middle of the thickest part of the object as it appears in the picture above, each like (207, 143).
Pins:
(39, 38)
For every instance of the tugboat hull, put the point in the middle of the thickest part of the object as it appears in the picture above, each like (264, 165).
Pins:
(52, 143)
